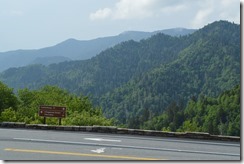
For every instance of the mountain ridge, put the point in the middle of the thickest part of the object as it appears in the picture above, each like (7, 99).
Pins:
(208, 66)
(132, 77)
(72, 49)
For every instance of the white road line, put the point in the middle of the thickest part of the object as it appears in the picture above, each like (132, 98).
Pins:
(127, 146)
(138, 138)
(101, 150)
(115, 148)
(101, 139)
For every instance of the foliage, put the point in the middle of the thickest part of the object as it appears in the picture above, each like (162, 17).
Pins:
(80, 111)
(7, 98)
(219, 115)
(209, 66)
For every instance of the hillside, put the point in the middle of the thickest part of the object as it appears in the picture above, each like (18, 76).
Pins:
(208, 66)
(105, 72)
(73, 49)
(214, 115)
(134, 78)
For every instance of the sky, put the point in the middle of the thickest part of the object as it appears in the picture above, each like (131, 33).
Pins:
(34, 24)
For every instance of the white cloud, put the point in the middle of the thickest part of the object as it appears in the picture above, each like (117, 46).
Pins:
(173, 9)
(192, 13)
(130, 9)
(101, 14)
(201, 17)
(227, 9)
(203, 12)
(212, 10)
(137, 9)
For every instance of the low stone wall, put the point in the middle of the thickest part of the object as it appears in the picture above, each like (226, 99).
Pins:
(115, 130)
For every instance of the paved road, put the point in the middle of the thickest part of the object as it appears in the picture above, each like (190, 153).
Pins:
(56, 145)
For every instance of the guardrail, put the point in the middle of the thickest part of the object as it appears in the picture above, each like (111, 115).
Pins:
(115, 130)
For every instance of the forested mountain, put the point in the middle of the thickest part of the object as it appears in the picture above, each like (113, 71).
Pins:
(49, 60)
(73, 49)
(220, 115)
(208, 66)
(134, 79)
(110, 69)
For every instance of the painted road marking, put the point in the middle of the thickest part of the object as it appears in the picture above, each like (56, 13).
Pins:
(78, 154)
(115, 148)
(101, 150)
(127, 146)
(138, 138)
(101, 139)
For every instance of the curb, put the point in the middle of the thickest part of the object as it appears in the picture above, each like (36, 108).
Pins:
(115, 130)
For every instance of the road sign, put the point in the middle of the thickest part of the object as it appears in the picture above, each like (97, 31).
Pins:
(52, 111)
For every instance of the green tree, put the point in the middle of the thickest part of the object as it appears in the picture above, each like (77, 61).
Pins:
(8, 115)
(80, 110)
(7, 98)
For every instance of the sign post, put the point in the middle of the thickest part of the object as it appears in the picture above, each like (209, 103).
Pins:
(59, 121)
(52, 111)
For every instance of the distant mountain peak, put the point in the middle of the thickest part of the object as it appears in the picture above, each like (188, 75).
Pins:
(129, 32)
(71, 40)
(77, 49)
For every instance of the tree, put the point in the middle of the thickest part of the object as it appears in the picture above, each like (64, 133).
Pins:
(8, 115)
(7, 98)
(80, 110)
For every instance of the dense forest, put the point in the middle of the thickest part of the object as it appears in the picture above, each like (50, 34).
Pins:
(150, 84)
(24, 106)
(209, 66)
(219, 115)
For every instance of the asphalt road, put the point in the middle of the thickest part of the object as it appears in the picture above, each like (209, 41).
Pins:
(17, 144)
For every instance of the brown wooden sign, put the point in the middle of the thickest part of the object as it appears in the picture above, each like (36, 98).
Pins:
(52, 111)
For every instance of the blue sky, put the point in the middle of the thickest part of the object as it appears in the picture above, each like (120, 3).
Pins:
(34, 24)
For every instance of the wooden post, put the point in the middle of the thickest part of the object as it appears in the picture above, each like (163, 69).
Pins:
(59, 121)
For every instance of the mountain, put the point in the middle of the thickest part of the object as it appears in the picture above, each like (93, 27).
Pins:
(208, 66)
(214, 115)
(176, 31)
(110, 69)
(133, 78)
(49, 60)
(73, 49)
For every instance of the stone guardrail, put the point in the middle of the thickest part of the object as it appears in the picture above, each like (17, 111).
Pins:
(115, 130)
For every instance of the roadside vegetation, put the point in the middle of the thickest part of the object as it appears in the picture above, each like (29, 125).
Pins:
(220, 115)
(24, 106)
